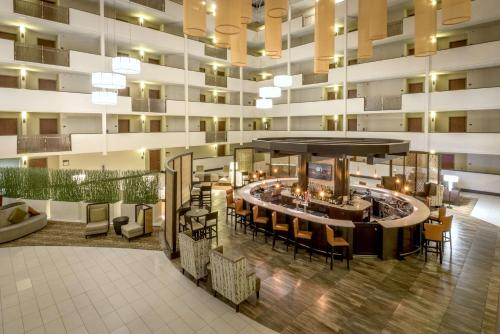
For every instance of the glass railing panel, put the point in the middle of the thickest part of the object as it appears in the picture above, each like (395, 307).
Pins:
(42, 10)
(43, 143)
(211, 51)
(155, 4)
(216, 137)
(41, 54)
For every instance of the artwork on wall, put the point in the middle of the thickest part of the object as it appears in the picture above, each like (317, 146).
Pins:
(319, 171)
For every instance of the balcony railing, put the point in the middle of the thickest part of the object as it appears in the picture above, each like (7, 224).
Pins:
(215, 80)
(378, 103)
(211, 51)
(41, 54)
(309, 79)
(42, 10)
(394, 28)
(43, 143)
(149, 105)
(215, 137)
(155, 4)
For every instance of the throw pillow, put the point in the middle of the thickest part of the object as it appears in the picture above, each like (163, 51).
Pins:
(17, 215)
(140, 217)
(32, 211)
(97, 214)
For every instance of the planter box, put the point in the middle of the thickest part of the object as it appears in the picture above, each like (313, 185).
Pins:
(9, 200)
(72, 212)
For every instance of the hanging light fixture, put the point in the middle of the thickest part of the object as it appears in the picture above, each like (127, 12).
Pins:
(276, 8)
(246, 11)
(105, 98)
(126, 65)
(195, 18)
(378, 20)
(456, 11)
(228, 18)
(239, 47)
(321, 66)
(425, 28)
(272, 37)
(264, 103)
(269, 92)
(324, 40)
(365, 46)
(283, 81)
(108, 80)
(222, 40)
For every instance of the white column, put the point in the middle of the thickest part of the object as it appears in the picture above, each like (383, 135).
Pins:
(241, 107)
(427, 102)
(344, 90)
(186, 91)
(103, 57)
(289, 70)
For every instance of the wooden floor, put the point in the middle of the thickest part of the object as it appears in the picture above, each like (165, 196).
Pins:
(410, 296)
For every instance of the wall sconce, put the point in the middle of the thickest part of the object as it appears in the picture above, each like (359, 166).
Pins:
(141, 21)
(143, 119)
(142, 152)
(23, 74)
(336, 29)
(25, 160)
(433, 78)
(22, 31)
(433, 116)
(24, 116)
(215, 119)
(432, 151)
(142, 85)
(336, 117)
(375, 173)
(141, 54)
(214, 146)
(336, 88)
(434, 39)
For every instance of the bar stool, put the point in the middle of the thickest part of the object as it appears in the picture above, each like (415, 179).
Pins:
(336, 242)
(300, 234)
(279, 228)
(446, 223)
(440, 214)
(195, 195)
(433, 233)
(206, 196)
(242, 216)
(230, 205)
(259, 222)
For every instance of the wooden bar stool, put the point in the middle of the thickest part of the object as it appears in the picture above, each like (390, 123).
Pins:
(440, 214)
(242, 216)
(300, 234)
(336, 242)
(259, 223)
(230, 205)
(433, 233)
(279, 229)
(446, 223)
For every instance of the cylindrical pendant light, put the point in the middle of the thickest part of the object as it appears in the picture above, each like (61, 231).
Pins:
(425, 28)
(195, 18)
(222, 40)
(276, 8)
(228, 17)
(378, 20)
(273, 36)
(321, 66)
(456, 11)
(239, 47)
(324, 29)
(365, 46)
(246, 11)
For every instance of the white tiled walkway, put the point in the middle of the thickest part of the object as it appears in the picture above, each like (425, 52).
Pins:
(487, 208)
(105, 290)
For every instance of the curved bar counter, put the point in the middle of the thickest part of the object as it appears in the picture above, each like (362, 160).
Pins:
(375, 222)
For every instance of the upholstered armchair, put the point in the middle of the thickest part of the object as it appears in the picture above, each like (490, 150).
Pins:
(143, 224)
(432, 194)
(194, 255)
(230, 277)
(97, 219)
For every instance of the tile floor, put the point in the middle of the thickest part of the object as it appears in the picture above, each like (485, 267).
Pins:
(105, 290)
(487, 208)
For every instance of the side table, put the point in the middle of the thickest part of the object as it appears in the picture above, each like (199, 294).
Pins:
(118, 222)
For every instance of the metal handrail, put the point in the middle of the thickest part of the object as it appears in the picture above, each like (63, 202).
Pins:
(42, 10)
(41, 54)
(216, 137)
(149, 105)
(211, 51)
(43, 143)
(215, 80)
(155, 4)
(379, 103)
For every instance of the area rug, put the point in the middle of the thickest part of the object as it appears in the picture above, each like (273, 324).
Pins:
(71, 234)
(466, 206)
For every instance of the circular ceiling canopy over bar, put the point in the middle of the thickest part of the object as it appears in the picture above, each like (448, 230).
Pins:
(195, 18)
(228, 17)
(332, 147)
(456, 11)
(276, 8)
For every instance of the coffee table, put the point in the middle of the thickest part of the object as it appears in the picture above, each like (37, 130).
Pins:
(118, 222)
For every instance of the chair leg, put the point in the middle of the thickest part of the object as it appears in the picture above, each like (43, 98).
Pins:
(295, 250)
(347, 256)
(197, 282)
(215, 293)
(274, 239)
(331, 259)
(426, 245)
(183, 271)
(440, 250)
(238, 308)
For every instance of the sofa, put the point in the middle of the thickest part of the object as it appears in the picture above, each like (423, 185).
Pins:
(31, 223)
(194, 255)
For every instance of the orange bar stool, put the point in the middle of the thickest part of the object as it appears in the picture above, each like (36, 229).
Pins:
(446, 223)
(433, 233)
(279, 230)
(336, 242)
(440, 214)
(242, 216)
(230, 205)
(299, 234)
(259, 223)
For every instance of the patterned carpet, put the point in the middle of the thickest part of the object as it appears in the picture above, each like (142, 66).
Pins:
(71, 234)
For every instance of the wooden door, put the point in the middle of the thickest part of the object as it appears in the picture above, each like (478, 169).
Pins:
(414, 124)
(123, 126)
(8, 81)
(330, 125)
(221, 99)
(220, 73)
(457, 44)
(254, 125)
(448, 161)
(46, 43)
(416, 87)
(411, 51)
(331, 95)
(352, 62)
(457, 124)
(155, 125)
(48, 126)
(456, 84)
(352, 93)
(221, 150)
(352, 124)
(155, 160)
(37, 163)
(9, 36)
(221, 126)
(203, 126)
(154, 61)
(154, 94)
(203, 98)
(47, 84)
(8, 126)
(124, 92)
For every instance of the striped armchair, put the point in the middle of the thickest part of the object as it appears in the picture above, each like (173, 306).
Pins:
(194, 255)
(230, 277)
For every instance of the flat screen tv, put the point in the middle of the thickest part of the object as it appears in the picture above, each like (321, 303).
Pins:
(319, 171)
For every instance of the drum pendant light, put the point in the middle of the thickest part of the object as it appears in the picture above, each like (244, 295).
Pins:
(273, 37)
(222, 40)
(246, 11)
(228, 17)
(456, 11)
(239, 47)
(378, 20)
(195, 18)
(324, 40)
(321, 66)
(276, 8)
(365, 46)
(425, 28)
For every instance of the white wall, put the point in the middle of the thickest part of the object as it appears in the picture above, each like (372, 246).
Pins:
(80, 123)
(123, 160)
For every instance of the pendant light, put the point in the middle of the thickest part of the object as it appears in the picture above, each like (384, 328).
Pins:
(276, 8)
(324, 40)
(104, 98)
(283, 81)
(239, 47)
(264, 103)
(365, 46)
(246, 11)
(222, 40)
(456, 11)
(108, 80)
(126, 65)
(425, 28)
(269, 92)
(228, 18)
(378, 20)
(321, 66)
(195, 18)
(272, 37)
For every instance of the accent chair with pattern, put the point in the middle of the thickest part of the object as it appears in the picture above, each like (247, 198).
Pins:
(194, 255)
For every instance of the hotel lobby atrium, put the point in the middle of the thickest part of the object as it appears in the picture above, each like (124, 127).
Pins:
(249, 166)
